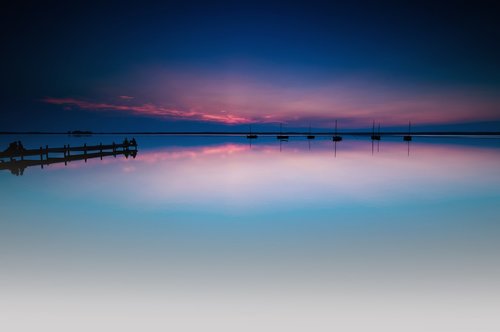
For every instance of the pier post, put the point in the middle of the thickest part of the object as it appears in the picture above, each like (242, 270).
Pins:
(65, 156)
(11, 154)
(47, 152)
(100, 150)
(41, 157)
(69, 153)
(85, 151)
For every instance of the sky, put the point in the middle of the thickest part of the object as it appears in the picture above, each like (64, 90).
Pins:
(222, 66)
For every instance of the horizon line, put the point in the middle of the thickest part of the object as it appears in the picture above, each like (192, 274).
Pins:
(244, 133)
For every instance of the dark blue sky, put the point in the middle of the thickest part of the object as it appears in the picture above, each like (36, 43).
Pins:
(203, 66)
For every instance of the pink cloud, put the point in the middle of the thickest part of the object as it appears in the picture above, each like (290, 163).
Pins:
(151, 110)
(243, 99)
(297, 101)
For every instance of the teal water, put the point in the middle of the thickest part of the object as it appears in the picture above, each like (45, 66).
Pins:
(215, 234)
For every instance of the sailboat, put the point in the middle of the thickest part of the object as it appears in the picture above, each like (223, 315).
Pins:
(310, 136)
(250, 135)
(282, 137)
(375, 137)
(336, 138)
(408, 137)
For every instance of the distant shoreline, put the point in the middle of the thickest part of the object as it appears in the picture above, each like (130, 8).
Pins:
(267, 133)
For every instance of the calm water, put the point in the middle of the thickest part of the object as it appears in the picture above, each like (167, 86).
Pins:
(212, 234)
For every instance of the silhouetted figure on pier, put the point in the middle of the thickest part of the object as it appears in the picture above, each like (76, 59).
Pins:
(12, 147)
(126, 142)
(15, 148)
(133, 142)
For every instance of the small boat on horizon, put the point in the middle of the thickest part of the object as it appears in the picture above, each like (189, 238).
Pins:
(250, 135)
(408, 137)
(310, 136)
(282, 137)
(336, 138)
(375, 137)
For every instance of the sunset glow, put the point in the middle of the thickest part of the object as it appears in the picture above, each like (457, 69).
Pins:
(250, 166)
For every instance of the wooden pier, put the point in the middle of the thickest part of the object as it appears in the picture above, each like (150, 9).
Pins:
(15, 157)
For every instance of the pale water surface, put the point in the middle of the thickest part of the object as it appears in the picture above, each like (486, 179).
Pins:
(212, 234)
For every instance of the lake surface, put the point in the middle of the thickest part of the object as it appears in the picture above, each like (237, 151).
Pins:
(215, 234)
